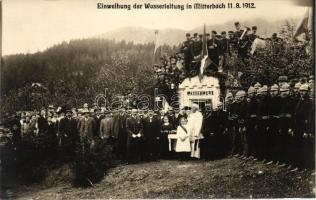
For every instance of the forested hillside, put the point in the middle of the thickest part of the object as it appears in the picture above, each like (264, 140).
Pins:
(80, 68)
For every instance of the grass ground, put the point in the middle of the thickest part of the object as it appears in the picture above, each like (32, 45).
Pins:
(225, 178)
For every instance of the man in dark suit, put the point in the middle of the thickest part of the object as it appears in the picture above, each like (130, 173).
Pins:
(134, 130)
(151, 130)
(223, 50)
(42, 122)
(122, 134)
(213, 51)
(196, 50)
(68, 135)
(87, 127)
(186, 50)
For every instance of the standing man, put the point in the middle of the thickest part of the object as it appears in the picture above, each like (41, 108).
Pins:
(274, 115)
(196, 50)
(285, 125)
(122, 134)
(106, 129)
(251, 123)
(213, 47)
(186, 50)
(263, 119)
(253, 35)
(42, 122)
(195, 120)
(87, 127)
(223, 51)
(301, 130)
(68, 135)
(134, 130)
(239, 118)
(151, 130)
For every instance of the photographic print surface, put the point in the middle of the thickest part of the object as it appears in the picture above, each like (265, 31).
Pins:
(128, 99)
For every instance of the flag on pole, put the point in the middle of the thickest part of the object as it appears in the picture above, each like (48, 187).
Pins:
(305, 25)
(157, 41)
(165, 104)
(205, 61)
(257, 44)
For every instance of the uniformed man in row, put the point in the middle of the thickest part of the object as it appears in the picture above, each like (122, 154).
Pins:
(186, 50)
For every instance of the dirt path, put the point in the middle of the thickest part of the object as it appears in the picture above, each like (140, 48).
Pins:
(226, 178)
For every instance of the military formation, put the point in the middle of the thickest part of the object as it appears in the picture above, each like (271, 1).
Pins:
(273, 124)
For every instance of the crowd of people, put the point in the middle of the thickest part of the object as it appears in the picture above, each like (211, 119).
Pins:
(223, 49)
(274, 124)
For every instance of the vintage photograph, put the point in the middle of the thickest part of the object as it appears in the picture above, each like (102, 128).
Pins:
(157, 99)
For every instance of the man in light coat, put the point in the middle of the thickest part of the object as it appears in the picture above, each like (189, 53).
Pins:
(195, 120)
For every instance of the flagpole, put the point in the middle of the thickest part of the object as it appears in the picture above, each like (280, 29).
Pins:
(155, 46)
(0, 41)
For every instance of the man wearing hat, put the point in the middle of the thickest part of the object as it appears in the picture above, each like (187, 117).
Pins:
(253, 35)
(106, 127)
(196, 47)
(263, 125)
(240, 143)
(285, 125)
(186, 50)
(301, 133)
(42, 122)
(134, 128)
(229, 124)
(223, 50)
(282, 80)
(87, 127)
(251, 122)
(151, 131)
(256, 87)
(238, 32)
(213, 50)
(122, 135)
(68, 135)
(274, 115)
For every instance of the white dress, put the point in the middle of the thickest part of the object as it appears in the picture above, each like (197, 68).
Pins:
(183, 141)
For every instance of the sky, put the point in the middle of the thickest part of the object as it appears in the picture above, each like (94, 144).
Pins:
(34, 25)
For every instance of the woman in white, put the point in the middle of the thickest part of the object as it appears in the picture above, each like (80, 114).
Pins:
(183, 142)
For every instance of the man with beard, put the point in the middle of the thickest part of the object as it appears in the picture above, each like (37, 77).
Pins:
(263, 125)
(134, 130)
(274, 112)
(151, 131)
